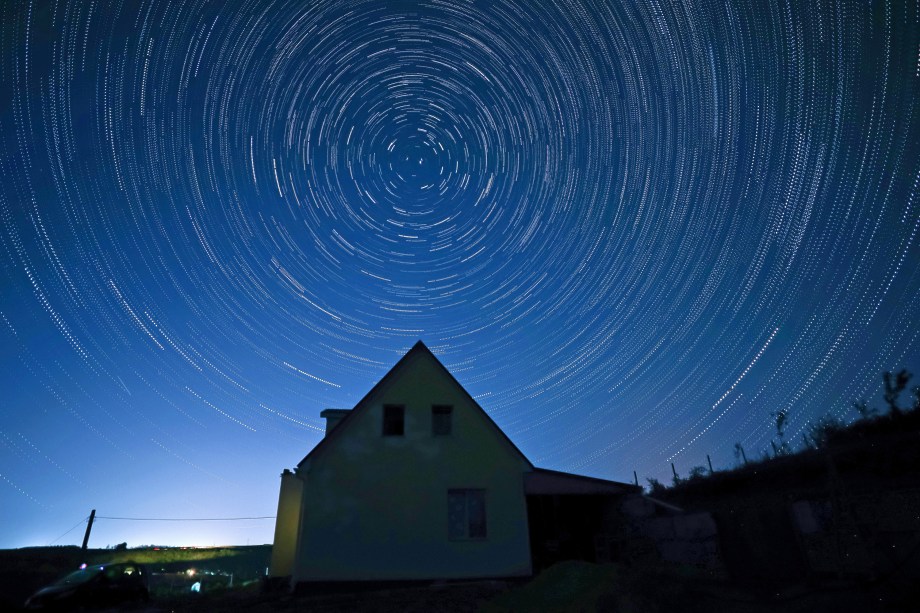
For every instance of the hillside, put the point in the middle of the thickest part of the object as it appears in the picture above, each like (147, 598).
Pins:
(23, 571)
(844, 507)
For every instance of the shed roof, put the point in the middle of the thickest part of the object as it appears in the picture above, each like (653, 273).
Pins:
(552, 482)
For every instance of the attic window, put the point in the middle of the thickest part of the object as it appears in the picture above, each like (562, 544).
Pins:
(394, 419)
(440, 419)
(466, 515)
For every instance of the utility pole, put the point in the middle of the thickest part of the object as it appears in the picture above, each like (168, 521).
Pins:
(710, 463)
(89, 526)
(636, 478)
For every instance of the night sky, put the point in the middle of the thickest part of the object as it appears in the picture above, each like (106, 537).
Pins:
(632, 230)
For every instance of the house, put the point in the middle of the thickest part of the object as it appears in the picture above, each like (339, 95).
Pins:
(416, 482)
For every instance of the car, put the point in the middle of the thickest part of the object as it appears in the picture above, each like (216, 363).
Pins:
(100, 585)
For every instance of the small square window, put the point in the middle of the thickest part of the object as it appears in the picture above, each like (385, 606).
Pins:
(440, 419)
(466, 514)
(394, 419)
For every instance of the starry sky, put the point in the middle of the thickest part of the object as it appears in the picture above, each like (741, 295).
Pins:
(632, 230)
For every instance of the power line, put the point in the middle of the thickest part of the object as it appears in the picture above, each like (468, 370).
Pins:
(82, 521)
(184, 518)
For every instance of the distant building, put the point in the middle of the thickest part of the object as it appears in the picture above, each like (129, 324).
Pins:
(417, 482)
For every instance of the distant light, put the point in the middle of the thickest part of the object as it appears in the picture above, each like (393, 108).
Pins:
(83, 566)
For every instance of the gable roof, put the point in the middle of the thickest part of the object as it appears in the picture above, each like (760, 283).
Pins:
(418, 349)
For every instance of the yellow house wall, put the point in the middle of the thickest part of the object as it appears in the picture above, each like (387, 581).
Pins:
(375, 507)
(286, 525)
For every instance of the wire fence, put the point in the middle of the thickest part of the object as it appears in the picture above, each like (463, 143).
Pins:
(185, 518)
(83, 521)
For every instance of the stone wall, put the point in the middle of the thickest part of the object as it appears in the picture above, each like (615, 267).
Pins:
(677, 537)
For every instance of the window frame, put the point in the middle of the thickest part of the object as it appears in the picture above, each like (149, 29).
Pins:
(387, 408)
(471, 495)
(439, 411)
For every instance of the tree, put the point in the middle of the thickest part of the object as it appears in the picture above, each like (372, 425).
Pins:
(894, 385)
(865, 411)
(655, 486)
(781, 419)
(739, 453)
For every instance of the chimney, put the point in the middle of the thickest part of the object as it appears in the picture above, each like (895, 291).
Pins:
(333, 417)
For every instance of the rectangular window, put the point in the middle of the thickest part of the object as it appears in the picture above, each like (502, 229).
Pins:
(394, 419)
(440, 419)
(466, 514)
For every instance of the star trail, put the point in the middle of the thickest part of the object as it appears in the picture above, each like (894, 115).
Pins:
(632, 230)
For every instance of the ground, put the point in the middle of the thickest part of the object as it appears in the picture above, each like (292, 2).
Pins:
(567, 586)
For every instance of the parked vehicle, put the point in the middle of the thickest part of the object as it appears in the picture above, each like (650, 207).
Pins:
(101, 585)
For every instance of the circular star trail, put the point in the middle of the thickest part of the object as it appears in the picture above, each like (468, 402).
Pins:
(633, 231)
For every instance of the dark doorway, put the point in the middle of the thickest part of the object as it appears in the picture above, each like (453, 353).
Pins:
(564, 527)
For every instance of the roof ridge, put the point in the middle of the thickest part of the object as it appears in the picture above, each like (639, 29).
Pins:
(418, 347)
